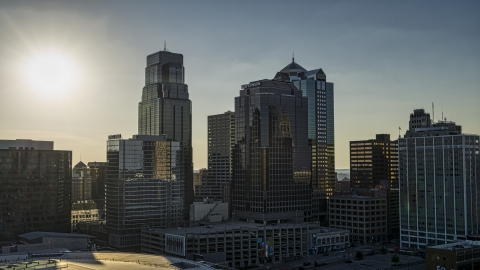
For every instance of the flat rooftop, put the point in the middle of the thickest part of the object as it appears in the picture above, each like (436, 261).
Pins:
(458, 245)
(228, 226)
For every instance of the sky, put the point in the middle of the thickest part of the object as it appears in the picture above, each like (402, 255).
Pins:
(386, 58)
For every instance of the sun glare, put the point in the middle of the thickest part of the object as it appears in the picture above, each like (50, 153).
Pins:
(50, 72)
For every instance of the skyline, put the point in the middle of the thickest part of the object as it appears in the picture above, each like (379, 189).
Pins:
(385, 59)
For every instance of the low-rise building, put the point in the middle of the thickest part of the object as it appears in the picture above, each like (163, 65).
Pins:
(364, 216)
(458, 255)
(244, 244)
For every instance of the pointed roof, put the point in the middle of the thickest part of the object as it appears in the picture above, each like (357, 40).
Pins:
(293, 66)
(80, 165)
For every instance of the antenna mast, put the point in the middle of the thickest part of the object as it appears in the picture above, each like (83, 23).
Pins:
(165, 46)
(433, 112)
(399, 129)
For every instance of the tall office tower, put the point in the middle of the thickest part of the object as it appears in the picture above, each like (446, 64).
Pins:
(373, 161)
(98, 173)
(321, 134)
(145, 187)
(221, 140)
(166, 108)
(35, 188)
(439, 185)
(271, 168)
(81, 183)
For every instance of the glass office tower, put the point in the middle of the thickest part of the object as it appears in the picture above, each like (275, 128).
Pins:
(166, 108)
(271, 157)
(439, 185)
(321, 134)
(145, 187)
(35, 188)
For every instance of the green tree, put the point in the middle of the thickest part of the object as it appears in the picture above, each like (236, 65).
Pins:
(359, 255)
(395, 259)
(383, 250)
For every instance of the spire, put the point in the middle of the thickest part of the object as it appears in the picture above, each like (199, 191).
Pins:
(293, 57)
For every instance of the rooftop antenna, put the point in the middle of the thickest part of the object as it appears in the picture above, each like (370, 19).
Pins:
(399, 129)
(293, 57)
(165, 46)
(433, 112)
(442, 114)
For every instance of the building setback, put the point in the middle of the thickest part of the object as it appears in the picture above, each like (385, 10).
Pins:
(166, 109)
(439, 185)
(35, 193)
(321, 133)
(271, 166)
(145, 187)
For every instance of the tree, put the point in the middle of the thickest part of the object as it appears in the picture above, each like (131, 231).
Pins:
(359, 255)
(383, 250)
(395, 259)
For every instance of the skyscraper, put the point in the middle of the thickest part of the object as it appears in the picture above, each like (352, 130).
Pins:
(373, 162)
(271, 156)
(221, 140)
(166, 108)
(439, 184)
(321, 133)
(145, 186)
(98, 173)
(35, 188)
(81, 183)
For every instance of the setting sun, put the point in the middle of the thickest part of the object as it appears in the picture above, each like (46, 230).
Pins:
(50, 72)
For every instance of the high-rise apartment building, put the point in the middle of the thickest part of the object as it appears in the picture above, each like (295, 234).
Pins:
(221, 140)
(145, 187)
(166, 108)
(439, 185)
(271, 166)
(374, 161)
(321, 133)
(35, 188)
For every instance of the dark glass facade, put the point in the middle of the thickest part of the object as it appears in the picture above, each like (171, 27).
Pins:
(145, 187)
(35, 190)
(271, 155)
(166, 109)
(321, 133)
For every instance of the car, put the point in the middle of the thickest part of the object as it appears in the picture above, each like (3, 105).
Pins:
(326, 254)
(306, 263)
(348, 261)
(209, 226)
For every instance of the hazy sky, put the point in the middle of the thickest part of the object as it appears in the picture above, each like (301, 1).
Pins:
(386, 58)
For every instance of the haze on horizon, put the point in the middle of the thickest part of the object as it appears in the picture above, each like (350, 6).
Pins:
(385, 58)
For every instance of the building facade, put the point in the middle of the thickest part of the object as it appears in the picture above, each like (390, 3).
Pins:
(166, 109)
(271, 156)
(373, 161)
(457, 255)
(439, 185)
(243, 244)
(145, 187)
(81, 183)
(35, 193)
(98, 173)
(364, 216)
(321, 133)
(221, 140)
